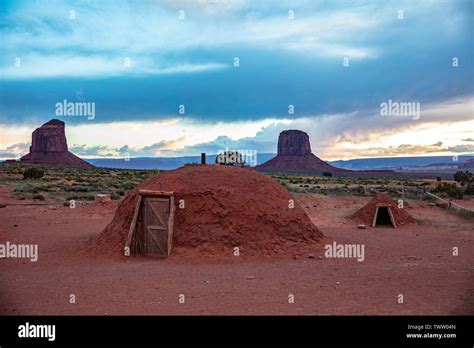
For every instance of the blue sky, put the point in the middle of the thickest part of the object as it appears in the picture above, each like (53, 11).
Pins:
(290, 53)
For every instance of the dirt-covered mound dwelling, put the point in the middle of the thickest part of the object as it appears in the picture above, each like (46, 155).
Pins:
(382, 210)
(213, 210)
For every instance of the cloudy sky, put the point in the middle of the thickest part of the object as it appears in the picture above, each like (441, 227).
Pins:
(172, 78)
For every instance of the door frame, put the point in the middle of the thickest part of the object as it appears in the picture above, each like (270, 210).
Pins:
(132, 245)
(389, 209)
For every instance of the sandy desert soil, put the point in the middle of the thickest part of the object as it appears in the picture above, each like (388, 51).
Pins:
(414, 260)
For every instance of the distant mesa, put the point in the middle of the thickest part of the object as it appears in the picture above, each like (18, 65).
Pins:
(294, 143)
(295, 156)
(49, 147)
(468, 164)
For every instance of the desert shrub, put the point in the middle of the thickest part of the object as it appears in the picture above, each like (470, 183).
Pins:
(114, 196)
(129, 185)
(47, 188)
(88, 197)
(296, 180)
(449, 189)
(465, 179)
(33, 173)
(284, 184)
(296, 189)
(27, 189)
(328, 174)
(38, 197)
(77, 188)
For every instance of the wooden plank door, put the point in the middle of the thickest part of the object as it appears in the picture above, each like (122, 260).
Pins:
(156, 231)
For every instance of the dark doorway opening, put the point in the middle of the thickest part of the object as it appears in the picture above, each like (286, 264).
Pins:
(384, 217)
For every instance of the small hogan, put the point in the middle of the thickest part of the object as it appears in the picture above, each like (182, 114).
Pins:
(382, 210)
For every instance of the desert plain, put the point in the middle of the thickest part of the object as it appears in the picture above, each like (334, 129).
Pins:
(415, 260)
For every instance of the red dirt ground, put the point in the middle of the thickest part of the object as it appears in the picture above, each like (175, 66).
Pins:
(415, 261)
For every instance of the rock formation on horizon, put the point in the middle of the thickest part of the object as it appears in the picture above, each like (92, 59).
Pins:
(295, 156)
(468, 164)
(293, 143)
(49, 146)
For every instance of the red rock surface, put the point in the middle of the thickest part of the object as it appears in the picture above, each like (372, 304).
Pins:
(50, 137)
(49, 146)
(225, 207)
(293, 143)
(294, 156)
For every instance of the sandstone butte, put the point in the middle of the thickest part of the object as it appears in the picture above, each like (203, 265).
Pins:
(49, 147)
(295, 156)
